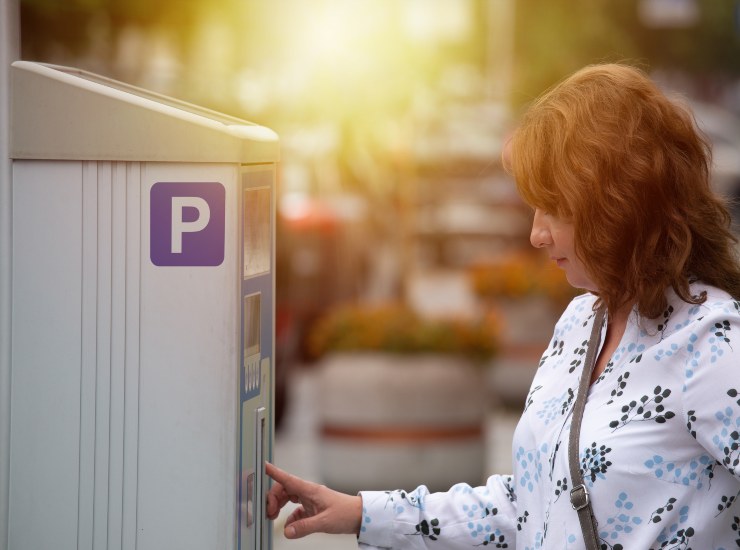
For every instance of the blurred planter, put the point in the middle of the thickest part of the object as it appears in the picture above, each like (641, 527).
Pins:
(527, 322)
(403, 398)
(529, 293)
(397, 421)
(395, 328)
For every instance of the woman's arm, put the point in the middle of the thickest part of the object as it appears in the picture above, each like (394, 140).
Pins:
(462, 517)
(322, 510)
(458, 518)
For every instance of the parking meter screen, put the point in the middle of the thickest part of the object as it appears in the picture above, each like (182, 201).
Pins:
(257, 241)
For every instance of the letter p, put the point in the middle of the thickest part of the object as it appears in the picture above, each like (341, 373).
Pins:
(180, 226)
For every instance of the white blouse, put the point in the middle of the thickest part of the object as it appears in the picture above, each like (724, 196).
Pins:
(659, 446)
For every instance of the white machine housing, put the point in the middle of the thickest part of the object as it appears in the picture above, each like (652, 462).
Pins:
(142, 325)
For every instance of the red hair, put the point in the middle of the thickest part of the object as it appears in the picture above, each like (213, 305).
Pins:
(608, 151)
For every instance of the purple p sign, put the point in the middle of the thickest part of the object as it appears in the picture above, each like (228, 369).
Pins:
(187, 223)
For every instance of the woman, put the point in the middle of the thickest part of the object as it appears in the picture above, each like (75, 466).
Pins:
(618, 178)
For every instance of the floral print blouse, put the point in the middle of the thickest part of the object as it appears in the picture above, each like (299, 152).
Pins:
(659, 447)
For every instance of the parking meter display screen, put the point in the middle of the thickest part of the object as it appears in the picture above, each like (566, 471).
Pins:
(257, 241)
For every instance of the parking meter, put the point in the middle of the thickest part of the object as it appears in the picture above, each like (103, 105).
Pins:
(142, 336)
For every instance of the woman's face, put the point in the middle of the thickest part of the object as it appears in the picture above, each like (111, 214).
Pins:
(555, 235)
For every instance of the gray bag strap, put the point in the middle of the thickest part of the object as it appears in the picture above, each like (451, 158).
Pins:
(579, 497)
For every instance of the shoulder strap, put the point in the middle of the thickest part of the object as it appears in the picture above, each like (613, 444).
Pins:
(579, 497)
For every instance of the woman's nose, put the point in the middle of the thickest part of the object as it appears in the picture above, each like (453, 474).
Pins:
(540, 234)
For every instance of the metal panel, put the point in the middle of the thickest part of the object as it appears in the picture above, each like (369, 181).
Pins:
(45, 392)
(187, 380)
(256, 365)
(89, 305)
(131, 357)
(76, 324)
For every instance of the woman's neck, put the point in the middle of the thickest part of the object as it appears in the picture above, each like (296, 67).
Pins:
(615, 327)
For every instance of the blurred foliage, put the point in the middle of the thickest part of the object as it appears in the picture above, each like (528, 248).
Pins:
(557, 37)
(68, 24)
(397, 329)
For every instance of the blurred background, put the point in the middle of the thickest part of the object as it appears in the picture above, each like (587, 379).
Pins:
(392, 199)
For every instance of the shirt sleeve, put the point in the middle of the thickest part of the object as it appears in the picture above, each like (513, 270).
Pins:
(462, 517)
(711, 398)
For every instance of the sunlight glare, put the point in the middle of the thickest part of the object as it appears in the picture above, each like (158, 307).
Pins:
(334, 34)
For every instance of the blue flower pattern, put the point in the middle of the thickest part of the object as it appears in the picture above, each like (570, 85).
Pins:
(530, 462)
(696, 472)
(622, 521)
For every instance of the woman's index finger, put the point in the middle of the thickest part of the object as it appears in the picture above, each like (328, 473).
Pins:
(285, 479)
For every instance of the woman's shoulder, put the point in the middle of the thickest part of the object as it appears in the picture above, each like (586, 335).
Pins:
(717, 306)
(715, 299)
(576, 314)
(581, 305)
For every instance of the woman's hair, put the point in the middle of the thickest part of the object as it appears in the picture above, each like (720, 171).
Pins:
(606, 150)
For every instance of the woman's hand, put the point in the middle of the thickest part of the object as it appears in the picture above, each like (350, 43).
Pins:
(322, 509)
